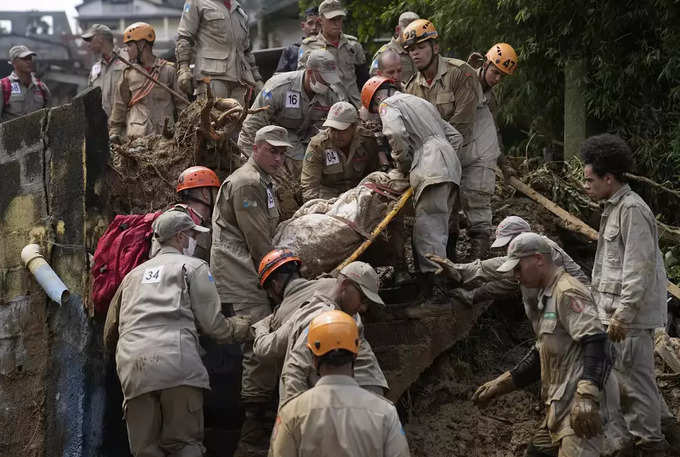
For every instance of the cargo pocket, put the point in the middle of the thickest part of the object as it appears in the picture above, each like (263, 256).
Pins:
(446, 104)
(195, 414)
(611, 236)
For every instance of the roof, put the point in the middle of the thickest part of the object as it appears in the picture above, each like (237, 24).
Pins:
(132, 9)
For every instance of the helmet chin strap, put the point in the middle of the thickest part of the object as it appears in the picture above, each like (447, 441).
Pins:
(485, 67)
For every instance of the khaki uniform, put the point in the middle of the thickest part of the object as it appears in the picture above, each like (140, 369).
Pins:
(348, 54)
(298, 373)
(565, 314)
(23, 100)
(302, 116)
(454, 91)
(156, 315)
(337, 418)
(426, 146)
(203, 240)
(408, 69)
(629, 283)
(244, 221)
(105, 74)
(328, 171)
(217, 41)
(146, 116)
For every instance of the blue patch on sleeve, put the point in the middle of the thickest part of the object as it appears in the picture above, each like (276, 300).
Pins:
(186, 7)
(267, 94)
(300, 52)
(374, 65)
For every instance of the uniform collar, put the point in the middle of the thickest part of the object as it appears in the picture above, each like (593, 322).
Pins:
(34, 81)
(548, 291)
(341, 41)
(263, 174)
(337, 380)
(618, 195)
(294, 285)
(442, 68)
(168, 250)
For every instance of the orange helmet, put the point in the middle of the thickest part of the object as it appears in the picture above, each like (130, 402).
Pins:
(503, 56)
(194, 177)
(139, 31)
(273, 260)
(418, 31)
(333, 330)
(370, 88)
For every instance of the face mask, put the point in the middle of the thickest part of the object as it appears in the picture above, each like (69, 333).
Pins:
(318, 88)
(191, 248)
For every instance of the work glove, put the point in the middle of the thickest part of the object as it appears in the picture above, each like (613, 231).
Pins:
(585, 411)
(447, 267)
(114, 138)
(241, 329)
(492, 389)
(617, 331)
(185, 79)
(262, 327)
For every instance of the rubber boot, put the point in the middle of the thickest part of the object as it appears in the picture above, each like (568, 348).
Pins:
(671, 431)
(533, 451)
(451, 247)
(479, 245)
(255, 431)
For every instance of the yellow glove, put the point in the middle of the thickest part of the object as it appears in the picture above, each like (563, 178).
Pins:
(617, 330)
(492, 389)
(585, 411)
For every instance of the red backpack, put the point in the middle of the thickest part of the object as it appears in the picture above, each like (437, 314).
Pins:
(124, 245)
(6, 85)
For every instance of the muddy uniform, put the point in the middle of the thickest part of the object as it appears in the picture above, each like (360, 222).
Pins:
(425, 146)
(214, 35)
(158, 310)
(105, 74)
(289, 107)
(328, 171)
(348, 54)
(337, 418)
(20, 99)
(141, 107)
(244, 221)
(565, 314)
(629, 284)
(203, 240)
(407, 67)
(298, 373)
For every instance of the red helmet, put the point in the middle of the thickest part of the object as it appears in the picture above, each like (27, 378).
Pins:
(273, 260)
(194, 177)
(370, 88)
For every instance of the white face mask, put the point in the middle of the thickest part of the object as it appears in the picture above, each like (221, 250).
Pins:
(318, 88)
(191, 248)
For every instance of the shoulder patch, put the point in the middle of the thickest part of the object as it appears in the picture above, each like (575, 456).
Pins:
(187, 7)
(576, 304)
(249, 204)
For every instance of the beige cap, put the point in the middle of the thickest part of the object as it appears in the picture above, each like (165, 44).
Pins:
(171, 223)
(406, 18)
(509, 228)
(341, 116)
(364, 276)
(19, 52)
(524, 245)
(97, 29)
(274, 135)
(324, 62)
(331, 8)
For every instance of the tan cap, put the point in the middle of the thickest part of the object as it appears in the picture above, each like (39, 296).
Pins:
(509, 228)
(407, 17)
(364, 276)
(341, 116)
(524, 245)
(331, 8)
(172, 222)
(274, 135)
(324, 62)
(19, 52)
(97, 29)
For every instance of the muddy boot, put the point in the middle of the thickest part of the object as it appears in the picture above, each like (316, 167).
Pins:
(533, 451)
(671, 431)
(451, 247)
(434, 299)
(255, 431)
(652, 449)
(479, 245)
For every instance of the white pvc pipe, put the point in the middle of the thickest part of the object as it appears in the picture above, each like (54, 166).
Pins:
(44, 274)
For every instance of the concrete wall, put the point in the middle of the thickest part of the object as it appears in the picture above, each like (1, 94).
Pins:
(51, 363)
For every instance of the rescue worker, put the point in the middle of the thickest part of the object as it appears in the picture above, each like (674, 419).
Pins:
(244, 221)
(298, 101)
(337, 417)
(197, 190)
(389, 65)
(108, 68)
(140, 106)
(348, 52)
(338, 157)
(500, 61)
(356, 288)
(22, 91)
(629, 284)
(482, 281)
(310, 27)
(396, 45)
(153, 323)
(425, 147)
(214, 35)
(571, 356)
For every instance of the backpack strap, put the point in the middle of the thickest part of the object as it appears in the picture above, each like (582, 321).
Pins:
(6, 89)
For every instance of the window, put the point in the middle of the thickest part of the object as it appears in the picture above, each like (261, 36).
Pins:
(5, 26)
